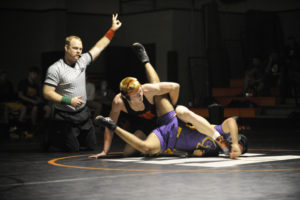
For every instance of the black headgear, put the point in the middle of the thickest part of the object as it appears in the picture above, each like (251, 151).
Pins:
(242, 140)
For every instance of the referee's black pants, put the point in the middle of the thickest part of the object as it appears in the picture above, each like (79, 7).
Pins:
(73, 131)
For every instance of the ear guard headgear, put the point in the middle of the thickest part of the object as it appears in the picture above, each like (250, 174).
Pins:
(242, 140)
(128, 86)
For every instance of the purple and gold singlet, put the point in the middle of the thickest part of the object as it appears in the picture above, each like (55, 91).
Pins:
(175, 135)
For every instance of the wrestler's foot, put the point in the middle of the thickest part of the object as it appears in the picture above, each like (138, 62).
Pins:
(223, 145)
(140, 52)
(105, 121)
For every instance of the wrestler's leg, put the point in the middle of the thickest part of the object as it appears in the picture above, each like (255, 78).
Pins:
(129, 150)
(141, 54)
(200, 123)
(163, 105)
(149, 146)
(152, 144)
(152, 77)
(151, 73)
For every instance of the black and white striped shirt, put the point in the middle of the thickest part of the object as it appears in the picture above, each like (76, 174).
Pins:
(69, 81)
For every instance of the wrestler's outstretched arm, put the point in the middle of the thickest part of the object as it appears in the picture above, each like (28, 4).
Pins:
(108, 134)
(230, 126)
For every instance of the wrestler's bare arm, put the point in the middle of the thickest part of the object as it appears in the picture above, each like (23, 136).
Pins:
(230, 126)
(117, 107)
(156, 89)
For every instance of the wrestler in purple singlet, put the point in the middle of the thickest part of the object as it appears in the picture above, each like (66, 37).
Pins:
(189, 139)
(167, 130)
(177, 135)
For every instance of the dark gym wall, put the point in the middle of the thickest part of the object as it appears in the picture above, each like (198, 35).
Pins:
(27, 33)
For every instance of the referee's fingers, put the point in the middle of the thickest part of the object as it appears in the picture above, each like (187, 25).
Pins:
(81, 101)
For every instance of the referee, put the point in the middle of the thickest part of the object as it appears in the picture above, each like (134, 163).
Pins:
(65, 86)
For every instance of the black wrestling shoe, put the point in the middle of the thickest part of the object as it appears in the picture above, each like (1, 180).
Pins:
(140, 52)
(223, 144)
(105, 121)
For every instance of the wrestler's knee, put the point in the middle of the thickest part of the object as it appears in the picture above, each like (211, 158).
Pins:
(230, 120)
(145, 149)
(129, 150)
(181, 110)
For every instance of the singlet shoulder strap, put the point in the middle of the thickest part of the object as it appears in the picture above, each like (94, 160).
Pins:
(147, 104)
(148, 107)
(128, 108)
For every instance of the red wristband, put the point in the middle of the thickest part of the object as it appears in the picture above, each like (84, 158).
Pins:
(110, 34)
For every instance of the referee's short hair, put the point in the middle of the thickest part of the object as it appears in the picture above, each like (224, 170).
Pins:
(71, 37)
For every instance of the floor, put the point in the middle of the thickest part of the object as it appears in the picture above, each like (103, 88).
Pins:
(270, 170)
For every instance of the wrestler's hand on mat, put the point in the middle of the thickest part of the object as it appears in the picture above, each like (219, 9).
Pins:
(116, 24)
(76, 101)
(102, 154)
(235, 151)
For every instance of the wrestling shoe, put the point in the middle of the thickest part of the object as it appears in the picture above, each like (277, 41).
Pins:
(105, 121)
(140, 52)
(223, 145)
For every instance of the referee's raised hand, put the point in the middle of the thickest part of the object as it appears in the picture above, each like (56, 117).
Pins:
(116, 24)
(77, 102)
